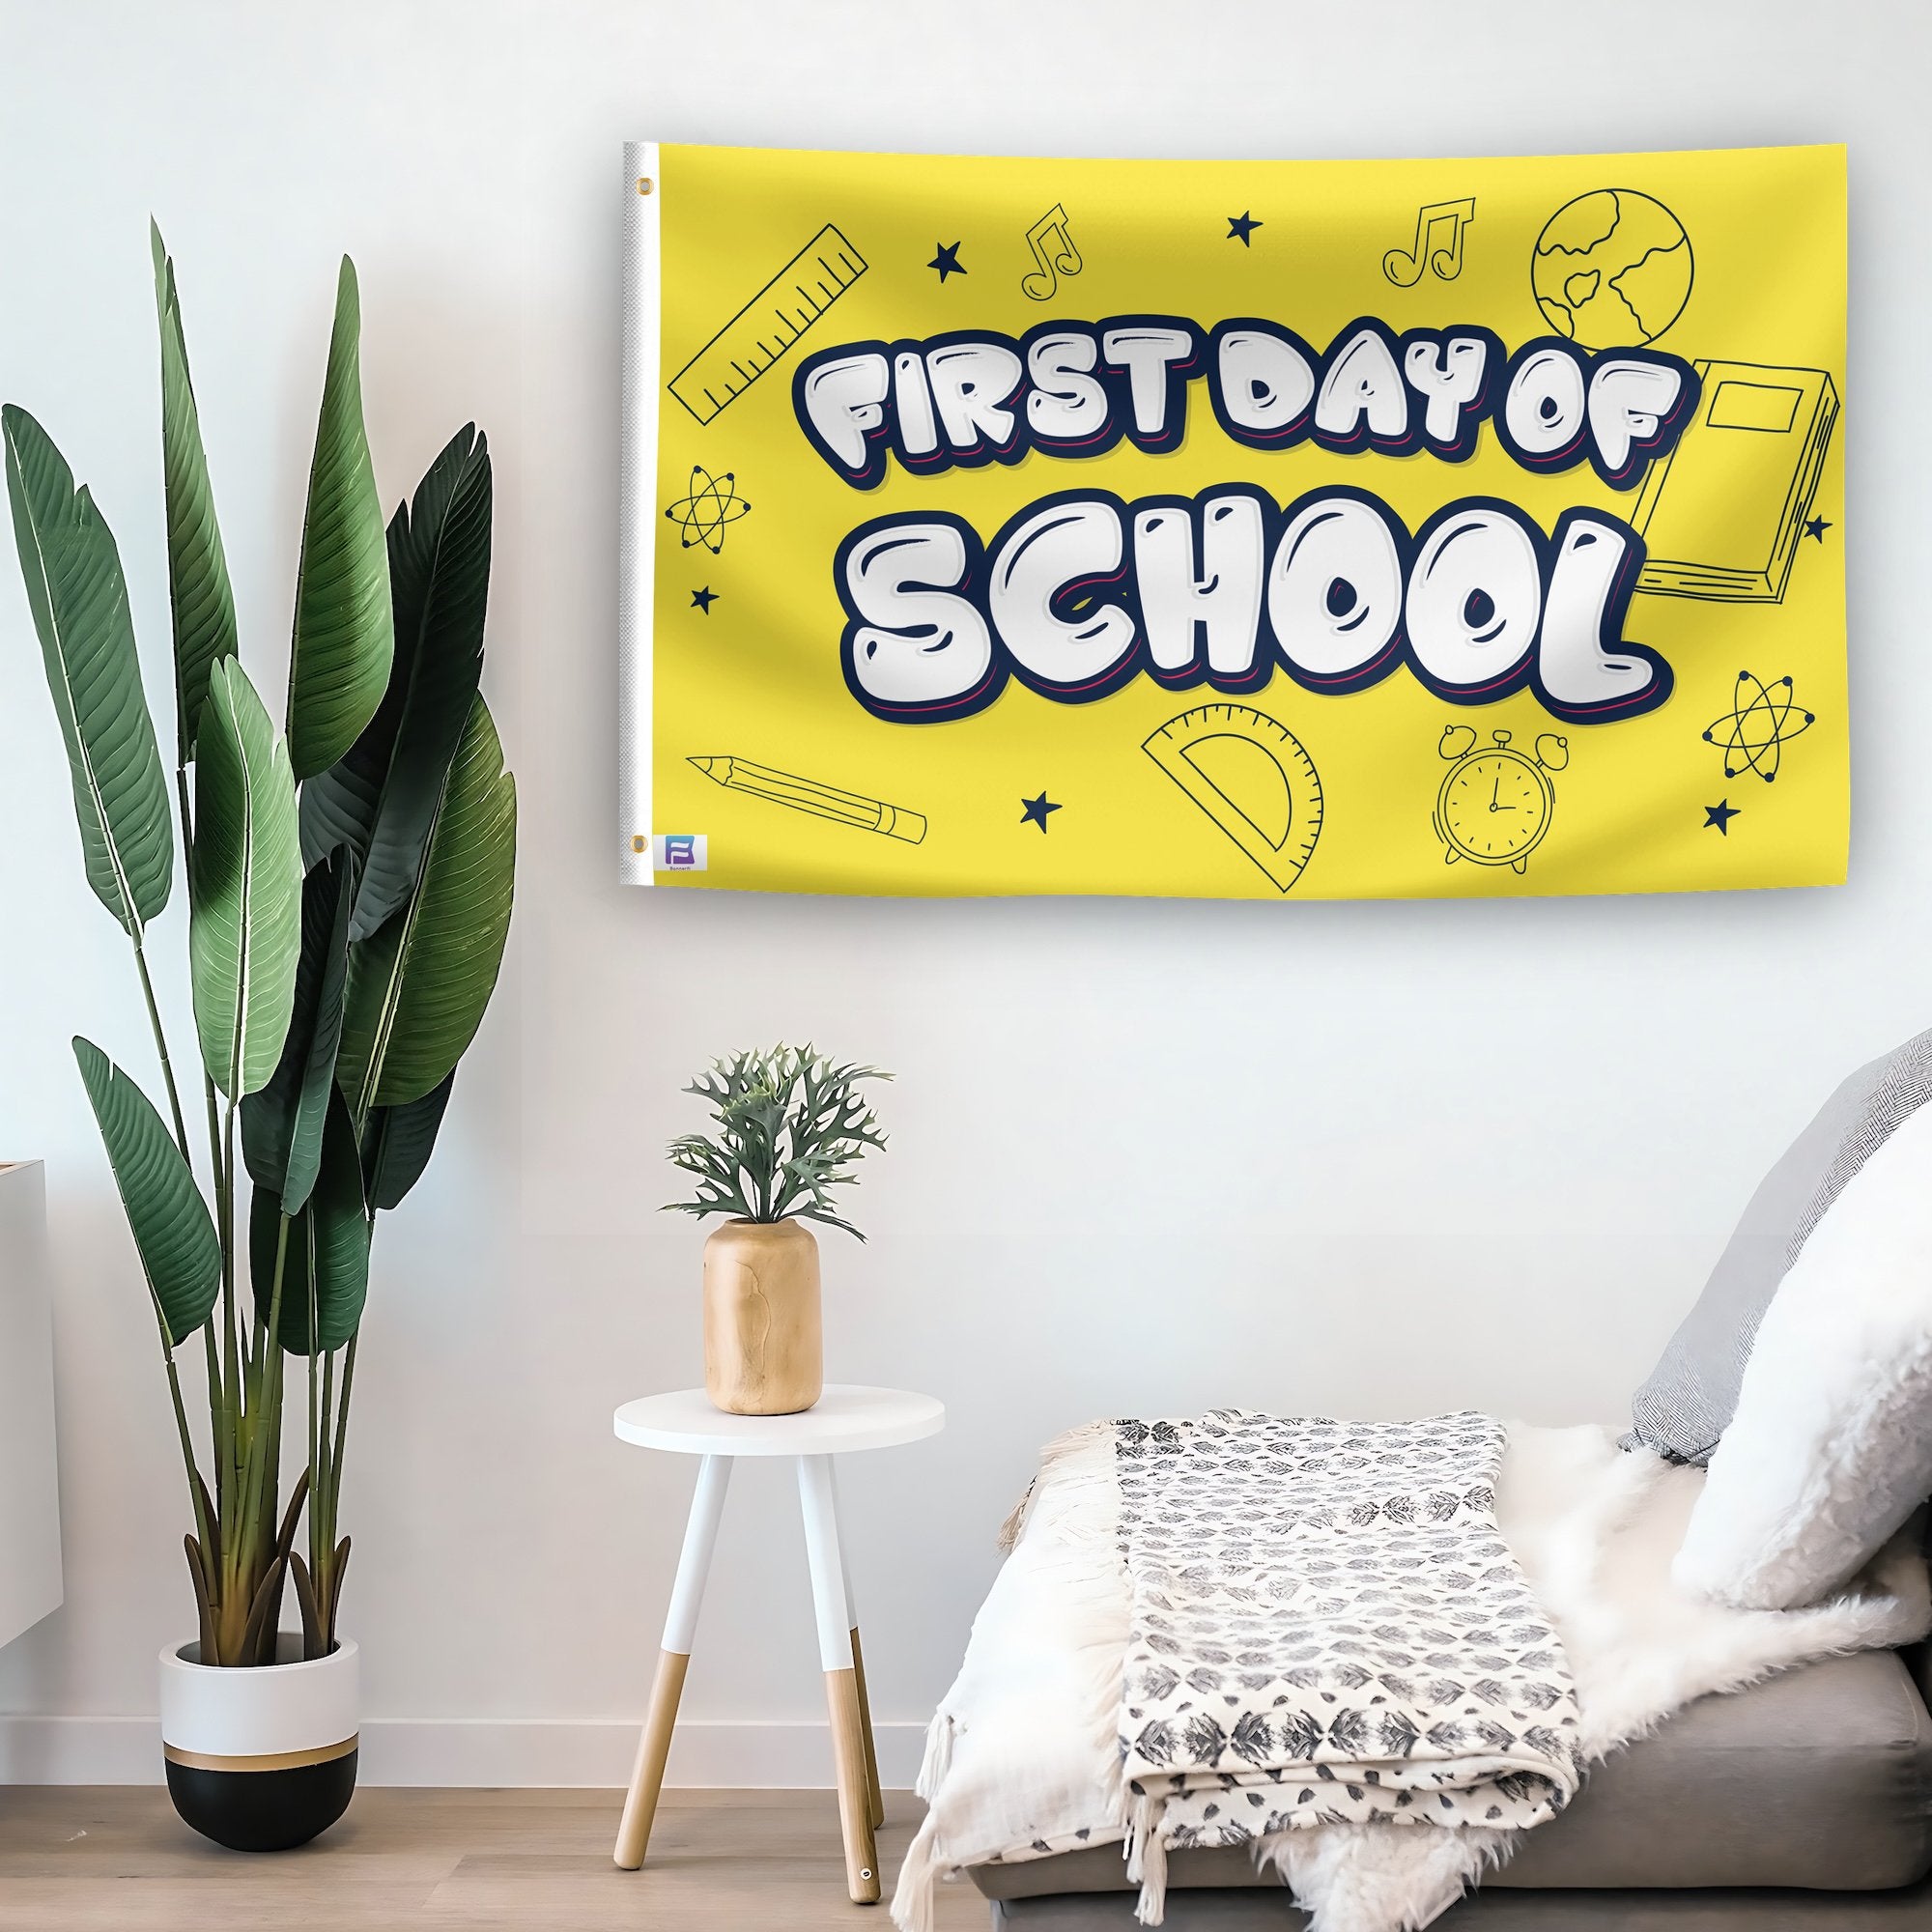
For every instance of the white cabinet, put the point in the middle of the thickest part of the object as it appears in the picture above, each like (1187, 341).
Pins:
(29, 1558)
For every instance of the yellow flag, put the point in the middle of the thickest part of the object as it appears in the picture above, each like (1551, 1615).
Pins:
(1233, 529)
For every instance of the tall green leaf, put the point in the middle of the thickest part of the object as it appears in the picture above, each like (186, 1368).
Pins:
(244, 886)
(380, 797)
(173, 1232)
(398, 1142)
(418, 987)
(326, 1263)
(281, 1126)
(344, 634)
(198, 589)
(79, 600)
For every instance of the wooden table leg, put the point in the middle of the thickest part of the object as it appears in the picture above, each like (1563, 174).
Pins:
(855, 1807)
(874, 1796)
(820, 1512)
(694, 1564)
(877, 1796)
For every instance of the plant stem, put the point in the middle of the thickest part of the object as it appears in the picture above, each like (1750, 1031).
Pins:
(161, 1047)
(243, 1570)
(317, 1434)
(267, 1408)
(220, 1432)
(341, 1424)
(322, 1513)
(216, 1435)
(190, 1467)
(194, 1487)
(231, 1358)
(326, 1539)
(231, 1618)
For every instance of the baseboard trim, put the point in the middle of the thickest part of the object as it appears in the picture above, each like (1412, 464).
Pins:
(488, 1752)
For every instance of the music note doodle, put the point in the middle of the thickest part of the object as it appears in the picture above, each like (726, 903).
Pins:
(1404, 269)
(1054, 250)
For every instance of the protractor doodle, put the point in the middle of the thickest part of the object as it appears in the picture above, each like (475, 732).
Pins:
(1248, 773)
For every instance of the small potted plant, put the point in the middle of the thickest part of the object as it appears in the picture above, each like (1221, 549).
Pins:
(789, 1127)
(348, 889)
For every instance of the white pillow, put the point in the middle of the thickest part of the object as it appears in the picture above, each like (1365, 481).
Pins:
(1830, 1449)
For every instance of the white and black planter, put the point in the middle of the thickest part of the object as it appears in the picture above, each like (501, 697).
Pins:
(261, 1760)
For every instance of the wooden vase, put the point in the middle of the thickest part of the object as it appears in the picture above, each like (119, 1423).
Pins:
(764, 1348)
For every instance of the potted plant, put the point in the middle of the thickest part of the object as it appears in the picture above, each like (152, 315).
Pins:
(348, 886)
(789, 1127)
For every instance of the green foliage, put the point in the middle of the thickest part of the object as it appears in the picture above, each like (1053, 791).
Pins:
(418, 987)
(421, 804)
(281, 1125)
(199, 596)
(397, 1143)
(244, 886)
(173, 1234)
(790, 1126)
(381, 799)
(345, 634)
(72, 569)
(330, 1010)
(324, 1264)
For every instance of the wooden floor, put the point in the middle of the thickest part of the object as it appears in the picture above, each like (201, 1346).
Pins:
(74, 1859)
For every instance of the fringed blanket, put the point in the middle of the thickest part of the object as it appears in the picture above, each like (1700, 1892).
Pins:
(1023, 1758)
(1326, 1627)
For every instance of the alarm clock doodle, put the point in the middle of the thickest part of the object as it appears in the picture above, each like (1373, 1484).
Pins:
(1495, 804)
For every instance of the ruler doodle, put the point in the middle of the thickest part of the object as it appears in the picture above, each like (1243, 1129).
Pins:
(768, 325)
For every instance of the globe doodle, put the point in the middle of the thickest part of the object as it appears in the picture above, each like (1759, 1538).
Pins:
(1611, 269)
(701, 517)
(1761, 722)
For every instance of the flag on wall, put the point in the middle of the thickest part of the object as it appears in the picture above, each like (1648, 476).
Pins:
(1233, 529)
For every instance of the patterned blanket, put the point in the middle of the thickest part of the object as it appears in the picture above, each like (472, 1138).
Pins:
(1023, 1758)
(1326, 1627)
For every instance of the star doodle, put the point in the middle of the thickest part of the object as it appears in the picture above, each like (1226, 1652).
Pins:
(1241, 226)
(1034, 811)
(1720, 815)
(701, 517)
(1762, 720)
(947, 261)
(702, 600)
(1816, 527)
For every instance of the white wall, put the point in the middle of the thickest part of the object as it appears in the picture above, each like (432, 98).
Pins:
(1370, 1159)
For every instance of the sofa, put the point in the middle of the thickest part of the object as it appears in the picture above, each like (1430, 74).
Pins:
(1805, 1803)
(1805, 1800)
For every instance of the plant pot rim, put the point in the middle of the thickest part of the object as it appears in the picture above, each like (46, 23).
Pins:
(176, 1658)
(746, 1221)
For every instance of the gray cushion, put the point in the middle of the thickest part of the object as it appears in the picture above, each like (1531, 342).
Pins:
(1820, 1778)
(1693, 1393)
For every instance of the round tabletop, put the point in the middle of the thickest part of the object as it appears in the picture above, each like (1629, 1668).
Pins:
(844, 1418)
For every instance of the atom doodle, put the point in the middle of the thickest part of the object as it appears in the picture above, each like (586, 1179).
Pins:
(701, 517)
(1762, 720)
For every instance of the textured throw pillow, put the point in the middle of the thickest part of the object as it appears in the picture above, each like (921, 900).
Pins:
(1683, 1409)
(1830, 1449)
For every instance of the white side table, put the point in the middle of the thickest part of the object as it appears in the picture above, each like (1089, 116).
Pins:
(844, 1418)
